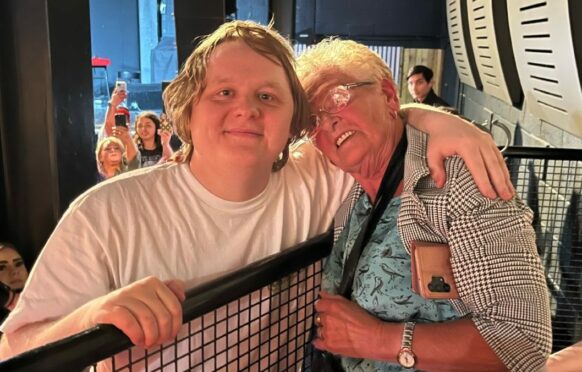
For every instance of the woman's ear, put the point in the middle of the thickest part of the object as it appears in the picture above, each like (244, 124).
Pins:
(391, 93)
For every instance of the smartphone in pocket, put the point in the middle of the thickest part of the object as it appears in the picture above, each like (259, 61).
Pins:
(432, 275)
(120, 120)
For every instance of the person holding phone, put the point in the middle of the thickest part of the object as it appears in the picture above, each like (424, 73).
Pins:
(152, 137)
(116, 124)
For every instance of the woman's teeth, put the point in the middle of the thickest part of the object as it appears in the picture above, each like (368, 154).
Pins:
(344, 137)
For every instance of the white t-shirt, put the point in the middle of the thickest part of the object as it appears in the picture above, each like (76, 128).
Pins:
(161, 221)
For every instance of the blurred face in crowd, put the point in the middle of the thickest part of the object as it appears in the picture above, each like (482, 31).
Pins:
(146, 128)
(111, 154)
(419, 87)
(13, 273)
(243, 116)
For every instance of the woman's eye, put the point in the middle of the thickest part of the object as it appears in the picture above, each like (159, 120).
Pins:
(2, 267)
(19, 263)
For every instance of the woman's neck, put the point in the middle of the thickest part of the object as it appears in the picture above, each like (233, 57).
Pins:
(149, 144)
(370, 175)
(110, 170)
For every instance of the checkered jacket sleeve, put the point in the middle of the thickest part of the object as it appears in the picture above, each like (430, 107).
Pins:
(495, 264)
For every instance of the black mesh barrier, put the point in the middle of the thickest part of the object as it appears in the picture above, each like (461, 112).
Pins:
(550, 182)
(259, 318)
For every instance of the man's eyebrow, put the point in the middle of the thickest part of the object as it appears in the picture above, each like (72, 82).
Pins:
(3, 262)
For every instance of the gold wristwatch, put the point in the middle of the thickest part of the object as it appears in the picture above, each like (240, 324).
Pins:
(406, 357)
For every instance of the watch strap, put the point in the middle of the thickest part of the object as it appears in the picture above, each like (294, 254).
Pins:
(407, 334)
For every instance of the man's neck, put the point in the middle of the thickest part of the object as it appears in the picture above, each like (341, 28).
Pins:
(232, 183)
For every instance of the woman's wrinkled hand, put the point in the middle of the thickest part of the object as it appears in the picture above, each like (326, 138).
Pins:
(345, 329)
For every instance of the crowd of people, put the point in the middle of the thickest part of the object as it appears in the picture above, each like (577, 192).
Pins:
(244, 188)
(117, 151)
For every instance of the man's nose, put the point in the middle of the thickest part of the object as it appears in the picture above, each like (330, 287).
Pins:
(247, 106)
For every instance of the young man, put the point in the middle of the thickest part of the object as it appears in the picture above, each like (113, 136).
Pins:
(125, 250)
(420, 87)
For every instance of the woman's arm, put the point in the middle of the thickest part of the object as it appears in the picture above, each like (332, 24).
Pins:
(450, 135)
(123, 134)
(117, 97)
(349, 330)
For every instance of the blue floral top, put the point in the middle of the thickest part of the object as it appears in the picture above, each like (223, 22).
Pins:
(382, 283)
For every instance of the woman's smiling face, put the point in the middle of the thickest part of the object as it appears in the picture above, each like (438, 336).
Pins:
(357, 137)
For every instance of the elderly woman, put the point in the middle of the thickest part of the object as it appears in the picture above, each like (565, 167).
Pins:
(501, 319)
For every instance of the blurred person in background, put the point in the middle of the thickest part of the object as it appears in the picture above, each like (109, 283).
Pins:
(111, 158)
(420, 82)
(123, 132)
(152, 137)
(13, 275)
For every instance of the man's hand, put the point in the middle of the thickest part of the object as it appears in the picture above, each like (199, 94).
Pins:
(148, 311)
(450, 135)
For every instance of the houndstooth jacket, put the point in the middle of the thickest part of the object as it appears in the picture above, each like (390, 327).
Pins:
(497, 271)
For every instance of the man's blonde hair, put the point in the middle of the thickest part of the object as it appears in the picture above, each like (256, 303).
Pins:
(191, 81)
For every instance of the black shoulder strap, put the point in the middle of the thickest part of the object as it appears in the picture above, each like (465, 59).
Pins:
(390, 182)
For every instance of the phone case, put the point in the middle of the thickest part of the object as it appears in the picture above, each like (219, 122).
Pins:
(432, 276)
(120, 120)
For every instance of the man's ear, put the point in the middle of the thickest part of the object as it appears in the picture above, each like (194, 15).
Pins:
(391, 93)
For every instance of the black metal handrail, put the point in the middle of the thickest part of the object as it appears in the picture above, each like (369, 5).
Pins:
(542, 153)
(105, 340)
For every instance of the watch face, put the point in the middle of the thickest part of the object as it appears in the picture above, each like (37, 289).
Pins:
(406, 358)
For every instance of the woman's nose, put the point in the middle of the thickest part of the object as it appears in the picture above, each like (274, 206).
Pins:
(328, 121)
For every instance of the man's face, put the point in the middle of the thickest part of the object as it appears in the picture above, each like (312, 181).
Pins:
(243, 116)
(419, 87)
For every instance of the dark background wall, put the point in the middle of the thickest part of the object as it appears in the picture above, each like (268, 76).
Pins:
(410, 23)
(46, 114)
